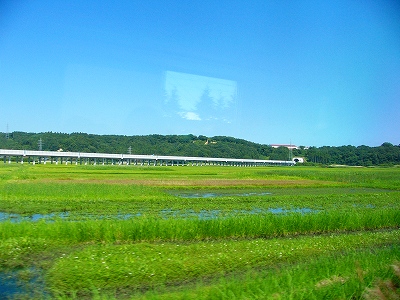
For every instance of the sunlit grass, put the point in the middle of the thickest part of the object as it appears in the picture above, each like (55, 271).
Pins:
(246, 226)
(145, 265)
(336, 249)
(349, 275)
(119, 198)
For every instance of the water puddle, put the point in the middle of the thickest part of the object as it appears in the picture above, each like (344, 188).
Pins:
(119, 216)
(186, 214)
(215, 214)
(34, 217)
(8, 286)
(167, 213)
(22, 284)
(52, 217)
(363, 206)
(276, 211)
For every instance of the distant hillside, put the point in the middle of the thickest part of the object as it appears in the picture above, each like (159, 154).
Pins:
(187, 145)
(201, 146)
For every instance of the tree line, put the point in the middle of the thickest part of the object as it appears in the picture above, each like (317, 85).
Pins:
(200, 146)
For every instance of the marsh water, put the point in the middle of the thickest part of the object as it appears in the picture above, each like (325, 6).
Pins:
(10, 285)
(166, 213)
(169, 212)
(13, 286)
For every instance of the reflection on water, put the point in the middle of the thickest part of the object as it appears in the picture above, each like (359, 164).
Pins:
(190, 213)
(35, 217)
(12, 286)
(166, 213)
(8, 286)
(51, 217)
(215, 213)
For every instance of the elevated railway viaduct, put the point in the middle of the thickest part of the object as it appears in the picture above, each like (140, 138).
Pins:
(79, 158)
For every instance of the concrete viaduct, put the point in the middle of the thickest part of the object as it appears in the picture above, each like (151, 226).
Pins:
(79, 158)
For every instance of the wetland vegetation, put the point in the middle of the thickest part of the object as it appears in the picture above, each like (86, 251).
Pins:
(128, 232)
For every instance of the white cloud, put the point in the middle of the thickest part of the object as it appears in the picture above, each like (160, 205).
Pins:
(189, 115)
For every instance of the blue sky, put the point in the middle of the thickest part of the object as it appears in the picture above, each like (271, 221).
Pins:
(311, 73)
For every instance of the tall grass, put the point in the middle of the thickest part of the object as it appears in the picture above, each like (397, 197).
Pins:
(248, 226)
(345, 276)
(144, 265)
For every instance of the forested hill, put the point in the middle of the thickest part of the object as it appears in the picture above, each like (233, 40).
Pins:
(201, 146)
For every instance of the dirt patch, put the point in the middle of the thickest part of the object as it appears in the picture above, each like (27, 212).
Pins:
(330, 281)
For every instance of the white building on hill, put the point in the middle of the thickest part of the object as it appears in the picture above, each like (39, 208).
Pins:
(284, 145)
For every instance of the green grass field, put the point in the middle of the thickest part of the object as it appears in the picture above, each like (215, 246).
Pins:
(127, 232)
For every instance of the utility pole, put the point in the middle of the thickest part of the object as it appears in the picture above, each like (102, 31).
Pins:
(40, 144)
(7, 133)
(129, 152)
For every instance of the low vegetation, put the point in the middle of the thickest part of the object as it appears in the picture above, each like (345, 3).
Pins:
(127, 232)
